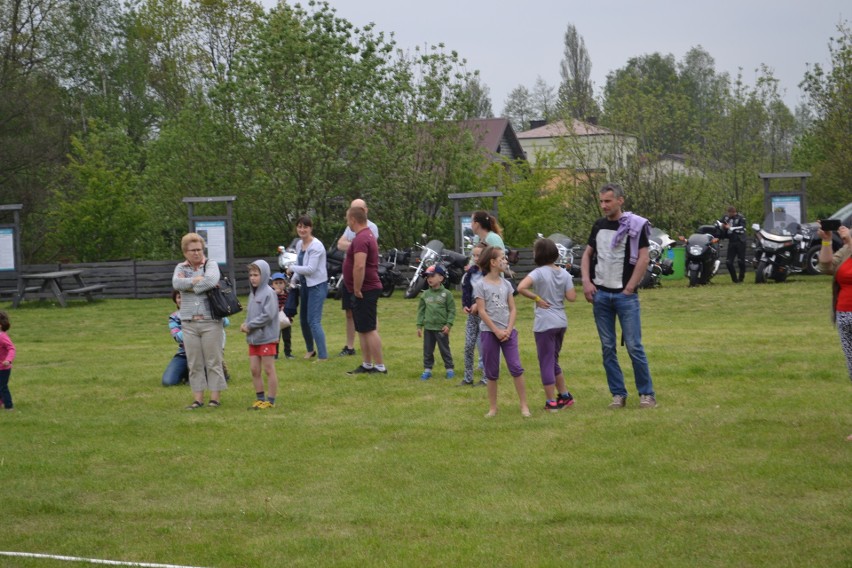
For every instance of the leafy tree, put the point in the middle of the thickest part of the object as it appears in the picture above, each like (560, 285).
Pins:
(95, 214)
(576, 98)
(826, 149)
(529, 203)
(645, 98)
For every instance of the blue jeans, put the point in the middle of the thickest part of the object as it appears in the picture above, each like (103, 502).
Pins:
(607, 306)
(313, 300)
(177, 371)
(5, 394)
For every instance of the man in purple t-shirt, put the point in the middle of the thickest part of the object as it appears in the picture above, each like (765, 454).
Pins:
(361, 276)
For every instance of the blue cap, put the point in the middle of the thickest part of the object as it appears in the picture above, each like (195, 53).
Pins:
(278, 276)
(436, 269)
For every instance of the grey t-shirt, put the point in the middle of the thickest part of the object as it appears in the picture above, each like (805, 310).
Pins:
(551, 283)
(496, 298)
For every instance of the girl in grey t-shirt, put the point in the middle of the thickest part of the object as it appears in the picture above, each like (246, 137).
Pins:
(496, 307)
(549, 286)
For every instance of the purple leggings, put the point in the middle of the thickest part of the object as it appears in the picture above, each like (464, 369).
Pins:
(491, 348)
(548, 344)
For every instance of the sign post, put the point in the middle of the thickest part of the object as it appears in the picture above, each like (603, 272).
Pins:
(11, 259)
(785, 203)
(462, 219)
(217, 232)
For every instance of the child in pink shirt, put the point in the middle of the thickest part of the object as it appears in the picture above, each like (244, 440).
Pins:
(7, 355)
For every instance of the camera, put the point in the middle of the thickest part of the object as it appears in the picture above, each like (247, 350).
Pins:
(829, 224)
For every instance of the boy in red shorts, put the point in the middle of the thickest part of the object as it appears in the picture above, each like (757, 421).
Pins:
(261, 329)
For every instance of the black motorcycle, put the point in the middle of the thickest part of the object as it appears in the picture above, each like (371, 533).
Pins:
(781, 248)
(389, 272)
(702, 254)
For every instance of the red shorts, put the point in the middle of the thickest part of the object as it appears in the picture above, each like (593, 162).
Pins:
(265, 350)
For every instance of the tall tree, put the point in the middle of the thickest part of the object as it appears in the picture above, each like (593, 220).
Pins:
(829, 91)
(519, 108)
(34, 123)
(544, 101)
(479, 95)
(576, 97)
(706, 90)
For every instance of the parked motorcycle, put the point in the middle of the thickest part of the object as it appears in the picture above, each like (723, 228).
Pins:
(431, 254)
(334, 268)
(781, 248)
(702, 254)
(389, 274)
(568, 251)
(659, 264)
(287, 256)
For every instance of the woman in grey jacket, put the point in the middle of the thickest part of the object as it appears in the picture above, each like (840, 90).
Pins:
(203, 335)
(261, 329)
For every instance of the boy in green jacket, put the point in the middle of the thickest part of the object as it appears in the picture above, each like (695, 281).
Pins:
(435, 315)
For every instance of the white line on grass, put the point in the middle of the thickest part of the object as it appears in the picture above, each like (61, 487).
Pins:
(93, 560)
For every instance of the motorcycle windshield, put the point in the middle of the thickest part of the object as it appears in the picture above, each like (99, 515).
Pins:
(697, 239)
(435, 246)
(661, 237)
(780, 223)
(561, 239)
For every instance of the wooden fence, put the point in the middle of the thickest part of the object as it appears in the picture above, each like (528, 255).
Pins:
(153, 278)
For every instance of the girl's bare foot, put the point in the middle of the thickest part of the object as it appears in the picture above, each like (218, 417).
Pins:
(491, 414)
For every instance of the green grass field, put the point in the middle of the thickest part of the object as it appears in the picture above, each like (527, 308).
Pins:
(744, 463)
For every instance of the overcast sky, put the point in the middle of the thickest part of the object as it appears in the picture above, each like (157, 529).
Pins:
(511, 43)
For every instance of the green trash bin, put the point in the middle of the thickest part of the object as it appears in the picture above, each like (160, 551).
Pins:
(678, 258)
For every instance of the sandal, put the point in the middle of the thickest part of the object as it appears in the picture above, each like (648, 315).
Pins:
(214, 404)
(195, 404)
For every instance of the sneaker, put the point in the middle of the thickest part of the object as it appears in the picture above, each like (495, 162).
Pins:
(427, 374)
(565, 400)
(647, 401)
(289, 356)
(359, 370)
(465, 383)
(618, 401)
(552, 406)
(451, 374)
(382, 371)
(482, 383)
(346, 351)
(257, 405)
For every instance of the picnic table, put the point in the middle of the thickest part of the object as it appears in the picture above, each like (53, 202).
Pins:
(59, 284)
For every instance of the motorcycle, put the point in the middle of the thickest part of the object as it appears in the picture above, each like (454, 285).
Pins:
(287, 256)
(389, 274)
(781, 248)
(702, 254)
(334, 267)
(658, 264)
(431, 254)
(568, 251)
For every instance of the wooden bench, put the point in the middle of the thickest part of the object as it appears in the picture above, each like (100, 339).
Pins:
(87, 290)
(13, 291)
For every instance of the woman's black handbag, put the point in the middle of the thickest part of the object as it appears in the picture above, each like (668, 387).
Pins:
(223, 299)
